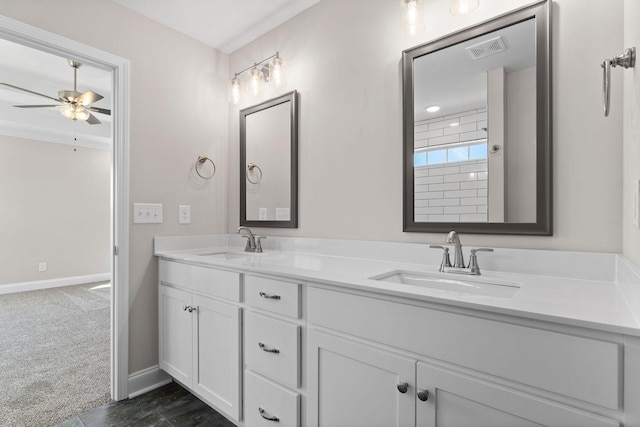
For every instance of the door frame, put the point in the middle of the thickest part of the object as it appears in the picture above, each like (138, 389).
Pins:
(37, 38)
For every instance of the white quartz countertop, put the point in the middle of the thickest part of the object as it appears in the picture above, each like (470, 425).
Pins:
(594, 304)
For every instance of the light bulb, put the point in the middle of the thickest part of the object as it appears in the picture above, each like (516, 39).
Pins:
(277, 72)
(462, 7)
(412, 16)
(235, 86)
(256, 78)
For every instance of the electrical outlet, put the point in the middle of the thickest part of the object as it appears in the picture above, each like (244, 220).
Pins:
(184, 214)
(147, 213)
(42, 267)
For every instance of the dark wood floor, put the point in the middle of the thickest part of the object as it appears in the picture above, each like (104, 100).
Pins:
(168, 406)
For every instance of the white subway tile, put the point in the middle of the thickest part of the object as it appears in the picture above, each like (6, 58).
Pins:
(444, 170)
(429, 195)
(441, 140)
(473, 118)
(438, 210)
(483, 175)
(475, 167)
(460, 210)
(477, 201)
(422, 180)
(444, 187)
(421, 218)
(460, 193)
(482, 209)
(461, 177)
(467, 185)
(482, 192)
(444, 218)
(472, 136)
(462, 129)
(444, 202)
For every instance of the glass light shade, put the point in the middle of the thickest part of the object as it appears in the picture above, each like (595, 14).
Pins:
(412, 16)
(81, 114)
(235, 90)
(256, 80)
(277, 72)
(462, 7)
(68, 112)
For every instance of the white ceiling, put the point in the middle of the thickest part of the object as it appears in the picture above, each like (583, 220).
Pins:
(226, 25)
(223, 24)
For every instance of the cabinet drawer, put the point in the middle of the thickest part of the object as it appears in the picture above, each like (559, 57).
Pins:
(582, 368)
(272, 348)
(210, 281)
(273, 295)
(264, 399)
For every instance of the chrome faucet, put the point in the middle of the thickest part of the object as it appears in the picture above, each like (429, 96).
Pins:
(251, 239)
(458, 257)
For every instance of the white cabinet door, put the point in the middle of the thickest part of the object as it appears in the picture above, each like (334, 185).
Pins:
(216, 356)
(455, 400)
(357, 386)
(175, 340)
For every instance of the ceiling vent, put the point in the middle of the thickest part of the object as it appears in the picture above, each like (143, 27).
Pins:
(486, 48)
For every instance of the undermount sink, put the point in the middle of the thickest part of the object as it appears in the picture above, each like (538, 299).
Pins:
(226, 255)
(449, 282)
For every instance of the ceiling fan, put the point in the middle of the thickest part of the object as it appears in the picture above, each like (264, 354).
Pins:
(72, 104)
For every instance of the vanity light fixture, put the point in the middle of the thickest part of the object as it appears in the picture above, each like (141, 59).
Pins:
(412, 16)
(462, 7)
(271, 70)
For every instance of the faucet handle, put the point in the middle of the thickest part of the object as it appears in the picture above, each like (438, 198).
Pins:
(473, 260)
(259, 243)
(248, 247)
(446, 261)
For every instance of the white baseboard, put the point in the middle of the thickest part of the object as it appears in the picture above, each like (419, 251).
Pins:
(53, 283)
(146, 380)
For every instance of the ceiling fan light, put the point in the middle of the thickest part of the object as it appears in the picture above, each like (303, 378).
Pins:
(68, 112)
(81, 114)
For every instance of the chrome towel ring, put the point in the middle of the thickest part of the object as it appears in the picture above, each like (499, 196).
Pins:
(201, 160)
(250, 168)
(626, 60)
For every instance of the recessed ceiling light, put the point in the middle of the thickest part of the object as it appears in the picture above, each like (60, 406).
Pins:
(432, 109)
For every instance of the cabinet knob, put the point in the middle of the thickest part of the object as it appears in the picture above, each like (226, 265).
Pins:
(423, 395)
(403, 387)
(192, 309)
(185, 307)
(264, 415)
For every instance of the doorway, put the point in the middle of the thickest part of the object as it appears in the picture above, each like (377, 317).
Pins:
(36, 38)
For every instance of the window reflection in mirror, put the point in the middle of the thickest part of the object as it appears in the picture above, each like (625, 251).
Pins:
(476, 128)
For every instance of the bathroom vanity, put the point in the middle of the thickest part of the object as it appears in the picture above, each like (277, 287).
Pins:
(297, 337)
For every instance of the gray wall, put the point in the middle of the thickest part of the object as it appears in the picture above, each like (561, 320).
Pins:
(344, 58)
(54, 208)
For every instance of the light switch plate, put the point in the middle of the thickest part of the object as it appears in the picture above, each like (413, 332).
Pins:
(147, 213)
(282, 214)
(184, 214)
(262, 214)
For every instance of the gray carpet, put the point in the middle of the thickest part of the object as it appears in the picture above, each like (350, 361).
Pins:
(54, 354)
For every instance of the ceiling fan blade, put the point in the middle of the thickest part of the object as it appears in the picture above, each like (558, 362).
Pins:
(99, 110)
(93, 120)
(29, 91)
(35, 106)
(89, 97)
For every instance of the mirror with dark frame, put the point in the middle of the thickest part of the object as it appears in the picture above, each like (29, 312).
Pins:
(477, 128)
(269, 163)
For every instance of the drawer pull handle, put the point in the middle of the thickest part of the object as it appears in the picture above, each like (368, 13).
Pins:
(267, 349)
(267, 296)
(423, 395)
(403, 387)
(266, 417)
